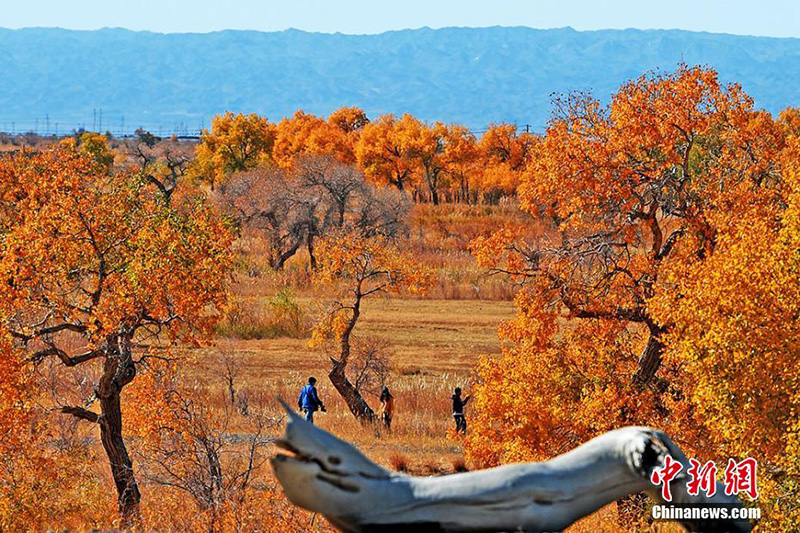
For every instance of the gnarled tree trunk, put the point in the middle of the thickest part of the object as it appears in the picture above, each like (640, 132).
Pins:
(650, 360)
(331, 477)
(355, 402)
(118, 371)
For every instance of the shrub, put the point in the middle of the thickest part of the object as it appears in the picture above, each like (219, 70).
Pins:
(285, 318)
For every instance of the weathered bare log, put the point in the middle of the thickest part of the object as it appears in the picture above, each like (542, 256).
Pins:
(331, 477)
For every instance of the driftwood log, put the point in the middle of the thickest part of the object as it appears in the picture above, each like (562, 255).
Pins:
(329, 476)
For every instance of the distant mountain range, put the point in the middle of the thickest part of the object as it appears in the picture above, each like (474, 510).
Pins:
(473, 76)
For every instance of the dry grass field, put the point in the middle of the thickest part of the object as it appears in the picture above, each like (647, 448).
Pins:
(434, 344)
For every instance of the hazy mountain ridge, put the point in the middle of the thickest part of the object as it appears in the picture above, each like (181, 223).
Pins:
(472, 76)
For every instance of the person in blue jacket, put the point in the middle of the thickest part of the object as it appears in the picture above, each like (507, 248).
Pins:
(309, 401)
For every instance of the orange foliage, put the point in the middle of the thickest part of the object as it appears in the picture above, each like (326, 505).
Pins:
(461, 160)
(505, 154)
(383, 151)
(40, 484)
(364, 266)
(306, 134)
(348, 119)
(673, 229)
(90, 260)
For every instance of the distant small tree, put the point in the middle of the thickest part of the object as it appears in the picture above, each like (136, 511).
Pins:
(505, 153)
(94, 145)
(267, 201)
(358, 267)
(235, 143)
(350, 120)
(305, 134)
(321, 194)
(461, 161)
(384, 154)
(161, 163)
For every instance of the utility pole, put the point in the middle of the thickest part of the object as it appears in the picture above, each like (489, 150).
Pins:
(100, 121)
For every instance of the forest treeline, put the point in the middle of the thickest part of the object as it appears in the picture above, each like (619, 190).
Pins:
(434, 162)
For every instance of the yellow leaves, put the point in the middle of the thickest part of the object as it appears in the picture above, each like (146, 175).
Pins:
(680, 203)
(330, 326)
(235, 143)
(348, 119)
(505, 154)
(735, 331)
(40, 483)
(497, 251)
(384, 151)
(358, 267)
(102, 251)
(554, 387)
(371, 263)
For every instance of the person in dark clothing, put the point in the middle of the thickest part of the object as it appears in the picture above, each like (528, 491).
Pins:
(309, 401)
(387, 407)
(458, 411)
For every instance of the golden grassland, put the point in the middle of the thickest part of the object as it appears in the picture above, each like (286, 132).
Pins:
(434, 344)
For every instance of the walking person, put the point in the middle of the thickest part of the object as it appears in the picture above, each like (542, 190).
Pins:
(309, 401)
(387, 407)
(458, 411)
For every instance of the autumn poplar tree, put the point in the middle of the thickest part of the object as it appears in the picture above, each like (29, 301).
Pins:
(504, 154)
(350, 120)
(461, 161)
(91, 262)
(384, 153)
(233, 144)
(358, 267)
(308, 135)
(628, 191)
(426, 145)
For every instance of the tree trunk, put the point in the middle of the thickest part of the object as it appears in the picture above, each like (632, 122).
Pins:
(285, 256)
(341, 211)
(328, 476)
(231, 391)
(355, 402)
(650, 360)
(433, 187)
(118, 371)
(312, 259)
(432, 177)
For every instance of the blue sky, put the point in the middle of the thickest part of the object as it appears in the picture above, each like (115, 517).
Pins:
(777, 18)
